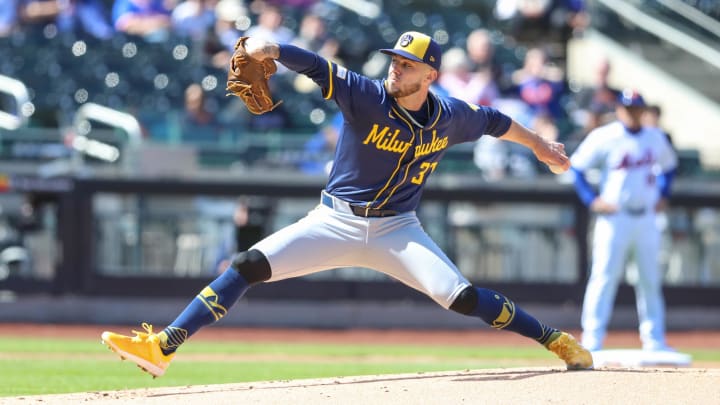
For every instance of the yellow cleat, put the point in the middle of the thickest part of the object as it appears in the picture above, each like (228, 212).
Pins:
(570, 351)
(142, 349)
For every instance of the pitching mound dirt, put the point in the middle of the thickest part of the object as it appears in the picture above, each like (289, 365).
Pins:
(540, 385)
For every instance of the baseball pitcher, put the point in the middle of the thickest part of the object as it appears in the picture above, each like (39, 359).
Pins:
(394, 134)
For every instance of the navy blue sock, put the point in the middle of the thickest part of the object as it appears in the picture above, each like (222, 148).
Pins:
(501, 313)
(208, 307)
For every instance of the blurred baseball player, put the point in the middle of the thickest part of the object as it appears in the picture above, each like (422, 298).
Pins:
(393, 136)
(637, 164)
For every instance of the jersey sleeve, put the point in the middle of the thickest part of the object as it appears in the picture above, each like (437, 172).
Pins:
(588, 154)
(667, 159)
(475, 121)
(305, 62)
(336, 82)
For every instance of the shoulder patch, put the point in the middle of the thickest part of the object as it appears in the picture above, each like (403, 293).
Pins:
(341, 72)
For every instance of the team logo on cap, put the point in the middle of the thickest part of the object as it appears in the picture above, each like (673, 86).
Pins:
(405, 40)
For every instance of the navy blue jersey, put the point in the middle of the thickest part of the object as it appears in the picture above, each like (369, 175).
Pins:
(382, 158)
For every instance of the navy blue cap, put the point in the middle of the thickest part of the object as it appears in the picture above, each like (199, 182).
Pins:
(418, 47)
(631, 98)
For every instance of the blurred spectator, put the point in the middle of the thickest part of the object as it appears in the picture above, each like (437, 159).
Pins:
(532, 21)
(8, 17)
(481, 54)
(490, 156)
(594, 104)
(41, 12)
(454, 72)
(197, 124)
(220, 43)
(319, 150)
(464, 84)
(312, 33)
(304, 4)
(592, 117)
(651, 118)
(78, 16)
(269, 26)
(540, 85)
(313, 36)
(497, 159)
(544, 124)
(87, 16)
(149, 19)
(194, 18)
(480, 49)
(599, 96)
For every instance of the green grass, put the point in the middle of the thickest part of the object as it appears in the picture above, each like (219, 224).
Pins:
(38, 366)
(45, 366)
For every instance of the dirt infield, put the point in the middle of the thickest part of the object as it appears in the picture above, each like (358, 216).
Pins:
(537, 385)
(499, 386)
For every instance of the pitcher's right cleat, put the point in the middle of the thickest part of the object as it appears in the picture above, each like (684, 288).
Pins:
(142, 349)
(570, 351)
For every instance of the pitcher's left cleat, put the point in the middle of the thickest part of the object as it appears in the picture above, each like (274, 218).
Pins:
(142, 349)
(570, 351)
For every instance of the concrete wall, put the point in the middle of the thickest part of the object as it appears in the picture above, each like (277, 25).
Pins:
(314, 314)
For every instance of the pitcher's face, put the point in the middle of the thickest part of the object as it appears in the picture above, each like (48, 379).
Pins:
(407, 77)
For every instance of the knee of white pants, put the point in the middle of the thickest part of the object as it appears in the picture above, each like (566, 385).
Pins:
(445, 300)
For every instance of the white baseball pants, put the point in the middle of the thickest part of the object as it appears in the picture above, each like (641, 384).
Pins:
(614, 237)
(329, 238)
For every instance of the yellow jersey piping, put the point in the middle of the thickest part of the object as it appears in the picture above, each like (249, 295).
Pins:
(330, 80)
(412, 141)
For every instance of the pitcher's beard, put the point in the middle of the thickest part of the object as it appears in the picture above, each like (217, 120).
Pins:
(407, 91)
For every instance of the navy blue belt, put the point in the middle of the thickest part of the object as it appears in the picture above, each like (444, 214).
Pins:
(343, 206)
